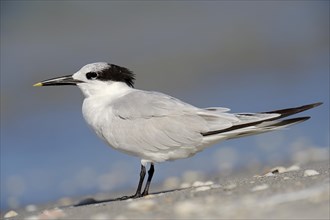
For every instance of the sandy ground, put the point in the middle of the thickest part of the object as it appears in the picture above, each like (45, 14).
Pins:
(290, 192)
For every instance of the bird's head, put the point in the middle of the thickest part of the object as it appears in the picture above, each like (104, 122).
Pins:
(93, 77)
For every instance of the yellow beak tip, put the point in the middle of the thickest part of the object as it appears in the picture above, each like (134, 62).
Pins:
(38, 84)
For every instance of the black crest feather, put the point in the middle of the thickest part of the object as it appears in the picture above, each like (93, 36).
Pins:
(118, 74)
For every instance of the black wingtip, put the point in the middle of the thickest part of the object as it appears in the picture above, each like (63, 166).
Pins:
(316, 104)
(292, 111)
(313, 105)
(292, 121)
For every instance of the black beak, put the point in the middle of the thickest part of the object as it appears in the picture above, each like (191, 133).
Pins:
(59, 81)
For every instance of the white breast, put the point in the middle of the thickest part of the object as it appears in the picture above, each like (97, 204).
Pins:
(97, 106)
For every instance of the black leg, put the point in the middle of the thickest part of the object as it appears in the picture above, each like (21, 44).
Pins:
(142, 175)
(138, 190)
(137, 194)
(150, 174)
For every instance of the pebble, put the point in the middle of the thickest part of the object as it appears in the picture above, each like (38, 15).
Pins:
(280, 169)
(208, 183)
(293, 168)
(286, 178)
(269, 174)
(10, 214)
(260, 187)
(199, 183)
(142, 205)
(185, 185)
(311, 173)
(202, 188)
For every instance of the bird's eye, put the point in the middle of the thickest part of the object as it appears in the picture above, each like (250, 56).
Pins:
(91, 75)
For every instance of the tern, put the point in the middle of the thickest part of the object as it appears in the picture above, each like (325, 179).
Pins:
(156, 127)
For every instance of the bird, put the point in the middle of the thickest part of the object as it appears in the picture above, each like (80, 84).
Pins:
(156, 127)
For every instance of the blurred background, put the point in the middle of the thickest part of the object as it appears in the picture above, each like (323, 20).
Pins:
(248, 56)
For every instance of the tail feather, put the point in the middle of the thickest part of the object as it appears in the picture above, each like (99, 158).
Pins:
(290, 121)
(282, 114)
(291, 111)
(266, 127)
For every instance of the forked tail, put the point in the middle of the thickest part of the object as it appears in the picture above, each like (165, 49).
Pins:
(261, 126)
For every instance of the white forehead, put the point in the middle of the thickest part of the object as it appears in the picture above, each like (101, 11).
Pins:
(94, 67)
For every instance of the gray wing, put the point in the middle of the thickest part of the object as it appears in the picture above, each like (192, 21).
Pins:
(159, 123)
(145, 104)
(155, 121)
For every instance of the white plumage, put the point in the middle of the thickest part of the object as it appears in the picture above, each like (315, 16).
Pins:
(156, 127)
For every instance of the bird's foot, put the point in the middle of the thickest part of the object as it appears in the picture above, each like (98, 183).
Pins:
(135, 196)
(144, 194)
(90, 201)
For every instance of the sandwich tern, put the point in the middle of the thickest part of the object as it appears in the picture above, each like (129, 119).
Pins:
(156, 127)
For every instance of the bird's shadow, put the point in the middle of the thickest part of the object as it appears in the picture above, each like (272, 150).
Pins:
(92, 201)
